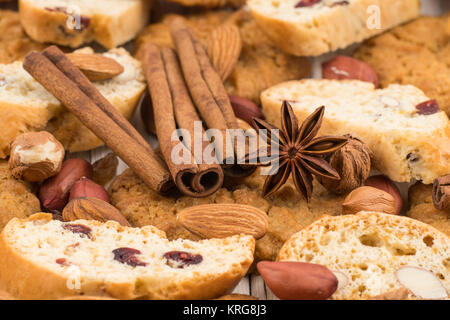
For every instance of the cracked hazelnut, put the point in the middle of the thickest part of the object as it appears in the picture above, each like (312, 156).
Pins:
(36, 156)
(353, 163)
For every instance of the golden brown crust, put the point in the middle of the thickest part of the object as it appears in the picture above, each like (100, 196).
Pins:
(260, 65)
(416, 53)
(237, 297)
(287, 211)
(16, 199)
(14, 44)
(422, 208)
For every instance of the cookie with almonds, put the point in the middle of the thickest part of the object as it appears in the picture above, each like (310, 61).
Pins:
(300, 152)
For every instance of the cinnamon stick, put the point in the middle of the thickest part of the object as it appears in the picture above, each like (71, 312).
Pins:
(185, 116)
(168, 93)
(200, 93)
(209, 95)
(121, 141)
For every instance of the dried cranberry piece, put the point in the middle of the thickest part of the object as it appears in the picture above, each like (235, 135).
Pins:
(78, 228)
(84, 21)
(128, 256)
(340, 3)
(428, 107)
(306, 3)
(179, 259)
(63, 262)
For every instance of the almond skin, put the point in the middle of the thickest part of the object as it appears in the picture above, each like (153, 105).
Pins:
(298, 280)
(224, 47)
(343, 67)
(92, 209)
(54, 192)
(96, 67)
(224, 220)
(86, 188)
(384, 183)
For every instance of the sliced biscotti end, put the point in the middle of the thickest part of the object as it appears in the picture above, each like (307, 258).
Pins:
(311, 28)
(109, 22)
(406, 144)
(367, 249)
(47, 259)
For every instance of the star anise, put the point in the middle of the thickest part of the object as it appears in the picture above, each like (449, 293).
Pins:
(299, 151)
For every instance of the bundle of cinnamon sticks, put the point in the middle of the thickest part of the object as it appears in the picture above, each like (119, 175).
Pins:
(186, 93)
(185, 89)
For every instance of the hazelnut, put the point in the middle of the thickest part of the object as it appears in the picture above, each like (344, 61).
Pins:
(384, 183)
(369, 199)
(36, 156)
(353, 163)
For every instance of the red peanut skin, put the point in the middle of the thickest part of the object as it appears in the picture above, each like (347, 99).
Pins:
(384, 183)
(246, 109)
(86, 188)
(54, 192)
(298, 280)
(355, 69)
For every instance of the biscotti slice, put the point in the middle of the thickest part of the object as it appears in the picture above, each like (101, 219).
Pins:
(314, 27)
(47, 259)
(26, 106)
(75, 22)
(367, 249)
(406, 144)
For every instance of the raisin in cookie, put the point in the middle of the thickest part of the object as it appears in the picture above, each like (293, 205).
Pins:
(16, 199)
(14, 42)
(422, 208)
(416, 53)
(288, 212)
(261, 63)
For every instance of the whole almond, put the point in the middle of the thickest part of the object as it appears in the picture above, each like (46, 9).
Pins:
(384, 183)
(96, 67)
(224, 220)
(246, 109)
(224, 47)
(343, 67)
(92, 209)
(369, 199)
(298, 280)
(86, 188)
(54, 192)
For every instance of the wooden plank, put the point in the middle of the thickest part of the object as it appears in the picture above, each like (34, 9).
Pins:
(257, 287)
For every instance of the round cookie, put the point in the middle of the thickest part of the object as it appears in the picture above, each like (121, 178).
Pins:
(261, 64)
(14, 44)
(16, 199)
(422, 208)
(287, 211)
(416, 53)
